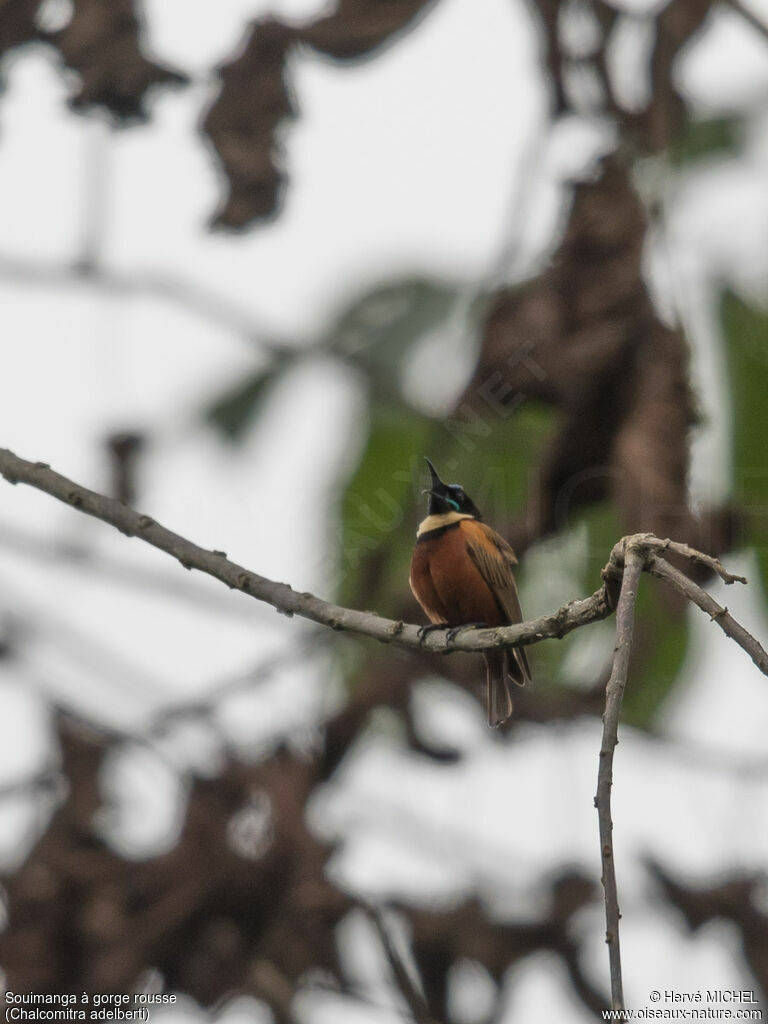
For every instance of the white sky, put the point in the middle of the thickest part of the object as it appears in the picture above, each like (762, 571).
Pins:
(410, 161)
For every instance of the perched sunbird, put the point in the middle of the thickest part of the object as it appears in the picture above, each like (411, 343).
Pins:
(461, 575)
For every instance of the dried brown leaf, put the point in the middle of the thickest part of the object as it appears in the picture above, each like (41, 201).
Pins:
(102, 42)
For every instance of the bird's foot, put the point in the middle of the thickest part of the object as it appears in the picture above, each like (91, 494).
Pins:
(424, 631)
(454, 631)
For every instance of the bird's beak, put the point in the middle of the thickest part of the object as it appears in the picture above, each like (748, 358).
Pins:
(436, 481)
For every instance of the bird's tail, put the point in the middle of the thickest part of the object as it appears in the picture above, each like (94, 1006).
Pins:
(499, 698)
(503, 666)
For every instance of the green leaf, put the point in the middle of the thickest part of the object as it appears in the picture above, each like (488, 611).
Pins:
(701, 139)
(234, 410)
(745, 330)
(379, 327)
(573, 561)
(497, 470)
(554, 571)
(659, 649)
(380, 506)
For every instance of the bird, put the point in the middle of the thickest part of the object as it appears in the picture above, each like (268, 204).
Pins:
(462, 575)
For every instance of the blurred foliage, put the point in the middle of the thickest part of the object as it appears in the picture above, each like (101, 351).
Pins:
(718, 136)
(745, 330)
(377, 503)
(234, 411)
(374, 332)
(661, 636)
(378, 328)
(660, 647)
(382, 501)
(257, 100)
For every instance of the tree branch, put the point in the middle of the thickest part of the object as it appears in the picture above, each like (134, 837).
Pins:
(749, 16)
(685, 551)
(281, 596)
(625, 615)
(660, 567)
(405, 985)
(193, 296)
(290, 602)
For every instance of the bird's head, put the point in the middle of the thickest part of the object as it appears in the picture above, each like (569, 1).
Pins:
(445, 498)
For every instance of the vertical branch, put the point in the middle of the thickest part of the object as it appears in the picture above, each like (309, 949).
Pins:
(625, 616)
(405, 984)
(96, 196)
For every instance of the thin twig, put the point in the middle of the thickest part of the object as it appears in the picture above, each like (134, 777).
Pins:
(97, 194)
(658, 566)
(193, 296)
(625, 615)
(650, 543)
(402, 976)
(695, 556)
(749, 16)
(48, 780)
(269, 982)
(300, 651)
(33, 545)
(355, 992)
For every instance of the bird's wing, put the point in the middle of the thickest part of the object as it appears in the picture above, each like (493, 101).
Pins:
(494, 559)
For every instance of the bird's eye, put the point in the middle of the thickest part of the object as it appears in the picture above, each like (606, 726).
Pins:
(453, 503)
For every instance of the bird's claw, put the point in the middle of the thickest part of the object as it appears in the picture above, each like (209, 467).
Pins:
(424, 631)
(454, 631)
(450, 632)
